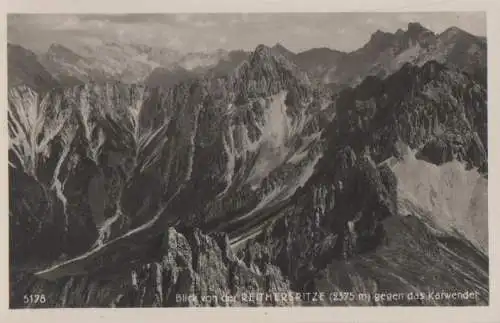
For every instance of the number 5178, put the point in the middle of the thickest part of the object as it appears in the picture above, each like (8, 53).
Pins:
(34, 299)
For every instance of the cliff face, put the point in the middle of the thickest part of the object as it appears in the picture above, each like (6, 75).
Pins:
(213, 153)
(438, 111)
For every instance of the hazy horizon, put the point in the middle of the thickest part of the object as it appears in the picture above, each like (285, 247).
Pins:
(208, 32)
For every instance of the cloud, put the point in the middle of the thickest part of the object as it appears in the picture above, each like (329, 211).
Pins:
(71, 23)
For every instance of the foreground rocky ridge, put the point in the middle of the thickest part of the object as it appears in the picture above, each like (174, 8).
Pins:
(185, 269)
(367, 249)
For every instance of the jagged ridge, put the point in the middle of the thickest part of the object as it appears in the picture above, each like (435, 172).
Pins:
(90, 150)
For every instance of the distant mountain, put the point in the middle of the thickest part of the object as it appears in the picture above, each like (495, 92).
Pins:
(281, 50)
(202, 60)
(109, 62)
(318, 58)
(227, 64)
(57, 51)
(160, 55)
(461, 49)
(316, 61)
(24, 68)
(382, 55)
(319, 61)
(168, 77)
(212, 67)
(128, 63)
(386, 53)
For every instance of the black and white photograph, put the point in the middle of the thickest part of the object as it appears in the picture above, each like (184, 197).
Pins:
(327, 159)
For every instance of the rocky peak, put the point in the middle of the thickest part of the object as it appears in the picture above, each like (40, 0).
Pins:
(399, 32)
(380, 39)
(59, 49)
(24, 68)
(416, 28)
(261, 52)
(455, 34)
(451, 32)
(416, 33)
(319, 55)
(17, 50)
(62, 52)
(263, 62)
(279, 49)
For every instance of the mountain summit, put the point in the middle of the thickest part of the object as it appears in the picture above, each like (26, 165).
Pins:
(25, 69)
(415, 29)
(57, 51)
(280, 49)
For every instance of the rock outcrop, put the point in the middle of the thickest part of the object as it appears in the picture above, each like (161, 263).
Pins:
(186, 269)
(430, 108)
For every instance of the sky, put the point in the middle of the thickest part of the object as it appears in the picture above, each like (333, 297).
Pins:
(202, 32)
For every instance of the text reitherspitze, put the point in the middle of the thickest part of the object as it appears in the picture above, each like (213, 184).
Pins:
(330, 297)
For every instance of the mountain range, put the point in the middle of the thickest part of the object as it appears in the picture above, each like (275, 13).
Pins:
(138, 177)
(382, 55)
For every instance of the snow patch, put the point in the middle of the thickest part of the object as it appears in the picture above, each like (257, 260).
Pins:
(454, 199)
(277, 129)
